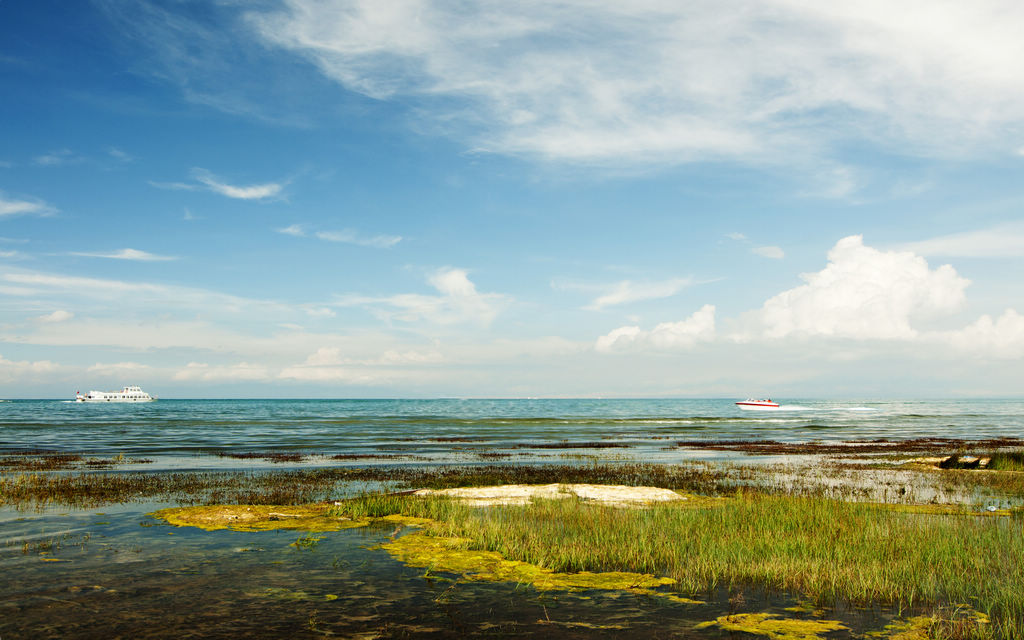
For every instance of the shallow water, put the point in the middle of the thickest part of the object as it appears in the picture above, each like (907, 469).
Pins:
(121, 573)
(116, 572)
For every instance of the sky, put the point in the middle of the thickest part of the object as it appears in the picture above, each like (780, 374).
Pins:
(393, 198)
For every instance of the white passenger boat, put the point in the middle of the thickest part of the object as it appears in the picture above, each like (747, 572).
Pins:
(128, 394)
(751, 404)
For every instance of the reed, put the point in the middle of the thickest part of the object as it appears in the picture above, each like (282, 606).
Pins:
(827, 550)
(1007, 460)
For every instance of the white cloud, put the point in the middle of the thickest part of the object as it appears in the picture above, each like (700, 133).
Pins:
(12, 371)
(458, 303)
(10, 207)
(736, 235)
(56, 158)
(1005, 241)
(775, 253)
(347, 236)
(655, 81)
(243, 371)
(212, 183)
(629, 291)
(1000, 338)
(250, 192)
(60, 315)
(351, 237)
(121, 155)
(125, 254)
(864, 293)
(320, 312)
(119, 368)
(699, 327)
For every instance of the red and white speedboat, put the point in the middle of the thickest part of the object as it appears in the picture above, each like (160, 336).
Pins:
(751, 404)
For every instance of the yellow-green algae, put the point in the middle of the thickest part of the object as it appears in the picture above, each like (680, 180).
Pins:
(451, 555)
(247, 517)
(923, 627)
(774, 626)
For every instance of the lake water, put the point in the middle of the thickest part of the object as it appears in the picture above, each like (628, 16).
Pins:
(117, 572)
(176, 433)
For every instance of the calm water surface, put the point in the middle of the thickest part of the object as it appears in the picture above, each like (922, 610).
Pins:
(170, 431)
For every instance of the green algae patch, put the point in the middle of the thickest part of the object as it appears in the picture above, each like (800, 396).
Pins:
(960, 622)
(774, 626)
(408, 521)
(451, 555)
(249, 517)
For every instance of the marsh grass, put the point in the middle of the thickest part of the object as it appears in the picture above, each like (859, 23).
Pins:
(827, 550)
(1007, 460)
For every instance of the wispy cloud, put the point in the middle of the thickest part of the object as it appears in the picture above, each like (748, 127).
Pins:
(347, 236)
(627, 291)
(351, 237)
(769, 251)
(559, 80)
(121, 155)
(296, 230)
(125, 254)
(1004, 241)
(60, 315)
(14, 207)
(206, 180)
(57, 158)
(773, 252)
(249, 192)
(458, 302)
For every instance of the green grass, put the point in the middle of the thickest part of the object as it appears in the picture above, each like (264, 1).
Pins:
(1007, 461)
(827, 550)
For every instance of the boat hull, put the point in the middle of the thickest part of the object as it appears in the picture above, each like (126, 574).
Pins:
(757, 407)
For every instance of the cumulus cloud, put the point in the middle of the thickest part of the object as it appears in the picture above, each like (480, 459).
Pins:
(1001, 338)
(864, 293)
(699, 327)
(20, 370)
(125, 254)
(653, 81)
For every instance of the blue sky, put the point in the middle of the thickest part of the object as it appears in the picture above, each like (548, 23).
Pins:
(408, 199)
